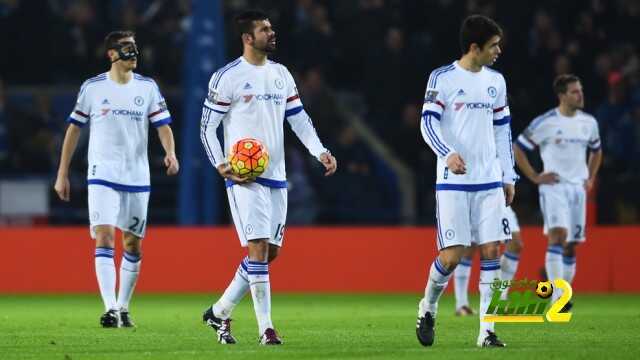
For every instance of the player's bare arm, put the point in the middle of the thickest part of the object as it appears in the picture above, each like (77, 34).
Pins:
(595, 159)
(62, 185)
(170, 160)
(330, 163)
(525, 166)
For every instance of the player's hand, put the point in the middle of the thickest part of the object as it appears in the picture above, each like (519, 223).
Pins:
(509, 193)
(226, 172)
(456, 164)
(63, 188)
(172, 164)
(588, 184)
(546, 178)
(330, 163)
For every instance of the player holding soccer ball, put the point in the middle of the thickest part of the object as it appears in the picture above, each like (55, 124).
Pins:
(565, 135)
(251, 96)
(466, 121)
(119, 105)
(248, 158)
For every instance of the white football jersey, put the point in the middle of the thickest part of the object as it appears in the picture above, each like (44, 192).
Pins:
(255, 101)
(119, 116)
(467, 112)
(563, 143)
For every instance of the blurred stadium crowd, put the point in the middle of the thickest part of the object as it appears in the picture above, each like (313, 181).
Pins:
(371, 57)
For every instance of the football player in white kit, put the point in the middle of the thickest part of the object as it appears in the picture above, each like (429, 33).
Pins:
(466, 122)
(564, 134)
(508, 263)
(119, 106)
(251, 97)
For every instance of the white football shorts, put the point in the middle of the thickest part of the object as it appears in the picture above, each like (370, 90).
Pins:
(474, 216)
(511, 219)
(124, 210)
(259, 212)
(565, 206)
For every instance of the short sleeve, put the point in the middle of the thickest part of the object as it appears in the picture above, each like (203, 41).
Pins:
(294, 104)
(219, 93)
(82, 111)
(532, 136)
(158, 112)
(594, 139)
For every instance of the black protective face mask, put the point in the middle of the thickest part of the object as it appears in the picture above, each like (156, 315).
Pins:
(127, 50)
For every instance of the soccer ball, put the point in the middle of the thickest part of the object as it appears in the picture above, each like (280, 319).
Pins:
(544, 289)
(248, 158)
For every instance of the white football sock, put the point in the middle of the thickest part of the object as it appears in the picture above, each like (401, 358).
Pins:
(553, 266)
(106, 275)
(437, 282)
(568, 268)
(461, 282)
(261, 293)
(489, 271)
(129, 271)
(508, 268)
(234, 292)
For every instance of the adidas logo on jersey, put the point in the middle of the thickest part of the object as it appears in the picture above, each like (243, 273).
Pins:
(105, 102)
(461, 92)
(247, 86)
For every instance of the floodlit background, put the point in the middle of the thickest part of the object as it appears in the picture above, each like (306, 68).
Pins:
(361, 68)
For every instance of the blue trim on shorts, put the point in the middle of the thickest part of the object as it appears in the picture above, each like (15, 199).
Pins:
(277, 184)
(469, 187)
(120, 187)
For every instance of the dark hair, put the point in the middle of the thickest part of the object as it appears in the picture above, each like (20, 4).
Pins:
(477, 29)
(561, 82)
(244, 21)
(111, 40)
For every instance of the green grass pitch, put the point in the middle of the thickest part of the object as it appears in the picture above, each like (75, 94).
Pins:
(313, 326)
